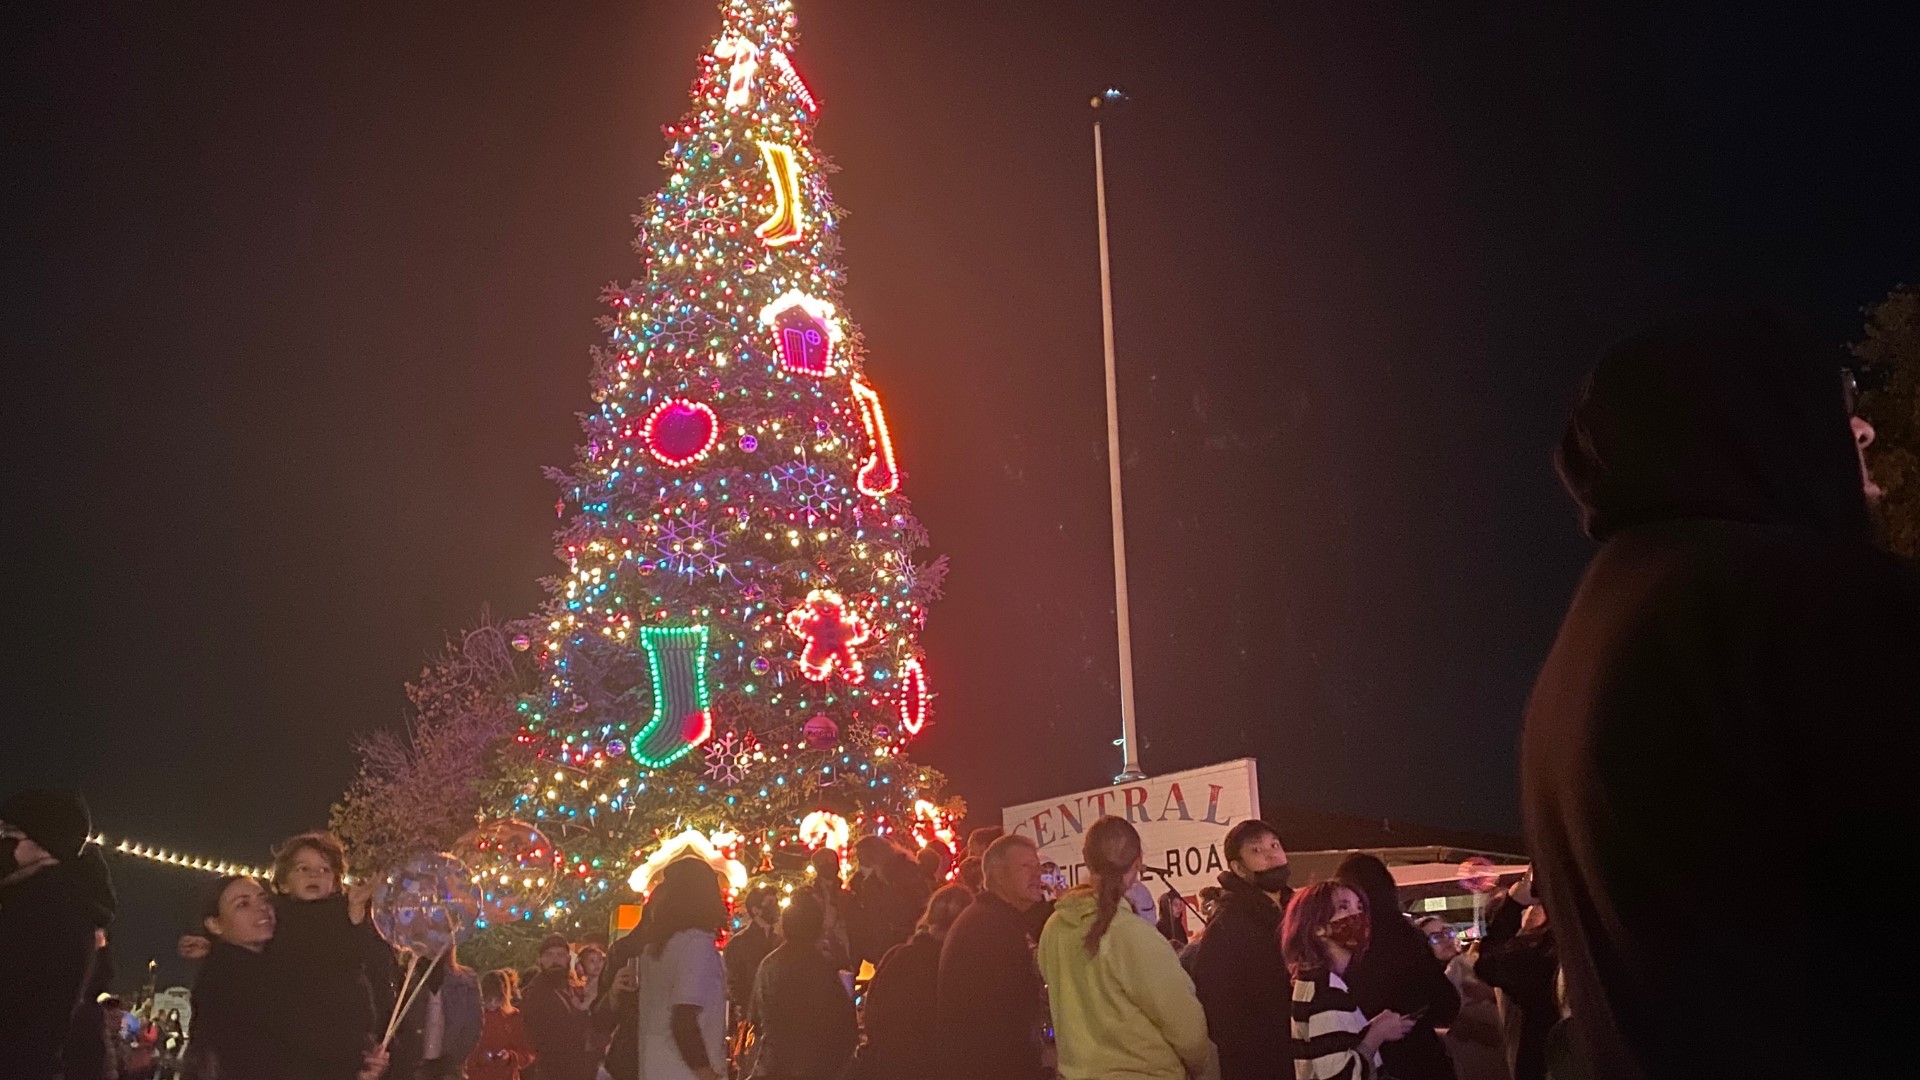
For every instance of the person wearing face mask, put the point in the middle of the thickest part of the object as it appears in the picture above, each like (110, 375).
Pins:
(1122, 1007)
(1399, 972)
(1324, 930)
(54, 902)
(1238, 970)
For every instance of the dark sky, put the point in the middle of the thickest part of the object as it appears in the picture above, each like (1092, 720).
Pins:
(304, 294)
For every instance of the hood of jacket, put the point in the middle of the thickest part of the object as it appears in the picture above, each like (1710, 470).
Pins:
(1737, 417)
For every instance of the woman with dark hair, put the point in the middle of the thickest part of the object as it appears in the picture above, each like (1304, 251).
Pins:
(901, 1043)
(1122, 1005)
(673, 962)
(1399, 972)
(246, 1015)
(1324, 930)
(801, 1012)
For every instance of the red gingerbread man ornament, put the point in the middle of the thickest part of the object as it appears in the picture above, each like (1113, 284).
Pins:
(831, 631)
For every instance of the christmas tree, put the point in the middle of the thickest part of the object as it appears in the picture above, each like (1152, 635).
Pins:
(730, 663)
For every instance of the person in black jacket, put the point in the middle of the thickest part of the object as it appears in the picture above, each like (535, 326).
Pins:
(557, 1021)
(55, 898)
(889, 894)
(905, 994)
(1398, 971)
(1238, 969)
(747, 948)
(1517, 959)
(247, 1015)
(1734, 684)
(805, 1020)
(991, 1009)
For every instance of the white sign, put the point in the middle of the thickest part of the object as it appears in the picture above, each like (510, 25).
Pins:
(1182, 817)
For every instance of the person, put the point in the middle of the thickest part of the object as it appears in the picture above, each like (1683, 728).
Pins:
(590, 965)
(838, 903)
(747, 948)
(447, 1013)
(901, 1043)
(503, 1050)
(1238, 970)
(935, 860)
(557, 1024)
(1324, 929)
(889, 895)
(990, 1011)
(982, 838)
(1121, 1005)
(1519, 960)
(681, 979)
(247, 1015)
(1398, 972)
(1735, 674)
(800, 1011)
(54, 903)
(1209, 902)
(971, 874)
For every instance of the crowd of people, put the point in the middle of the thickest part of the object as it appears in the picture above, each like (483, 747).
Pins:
(1739, 676)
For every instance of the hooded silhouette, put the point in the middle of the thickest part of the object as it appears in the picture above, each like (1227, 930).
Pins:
(1726, 723)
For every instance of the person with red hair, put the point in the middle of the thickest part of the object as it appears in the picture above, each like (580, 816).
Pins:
(1324, 931)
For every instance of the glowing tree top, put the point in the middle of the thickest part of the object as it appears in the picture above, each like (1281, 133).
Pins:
(734, 644)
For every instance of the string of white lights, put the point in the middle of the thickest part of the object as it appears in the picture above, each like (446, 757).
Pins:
(175, 858)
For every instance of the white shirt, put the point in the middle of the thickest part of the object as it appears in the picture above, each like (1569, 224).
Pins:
(433, 1040)
(688, 971)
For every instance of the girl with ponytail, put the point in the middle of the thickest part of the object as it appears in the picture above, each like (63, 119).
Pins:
(1122, 1005)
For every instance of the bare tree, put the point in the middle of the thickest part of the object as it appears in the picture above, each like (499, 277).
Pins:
(421, 788)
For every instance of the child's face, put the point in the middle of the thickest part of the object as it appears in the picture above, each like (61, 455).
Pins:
(310, 877)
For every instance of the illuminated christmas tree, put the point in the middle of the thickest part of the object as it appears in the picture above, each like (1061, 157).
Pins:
(733, 648)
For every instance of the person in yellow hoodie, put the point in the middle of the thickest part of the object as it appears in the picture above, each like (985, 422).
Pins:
(1123, 1009)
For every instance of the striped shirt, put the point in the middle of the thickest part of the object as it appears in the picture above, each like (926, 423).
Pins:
(1327, 1028)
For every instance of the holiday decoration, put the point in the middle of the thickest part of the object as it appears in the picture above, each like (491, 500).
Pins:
(692, 844)
(733, 462)
(426, 905)
(785, 224)
(728, 756)
(820, 732)
(806, 330)
(823, 828)
(746, 60)
(513, 865)
(681, 432)
(912, 702)
(831, 632)
(677, 663)
(877, 476)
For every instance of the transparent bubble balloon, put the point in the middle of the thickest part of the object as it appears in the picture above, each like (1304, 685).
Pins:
(426, 905)
(514, 867)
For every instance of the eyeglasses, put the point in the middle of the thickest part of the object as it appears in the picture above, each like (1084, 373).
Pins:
(1437, 936)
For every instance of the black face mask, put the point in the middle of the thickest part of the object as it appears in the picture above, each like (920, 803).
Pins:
(9, 860)
(1272, 879)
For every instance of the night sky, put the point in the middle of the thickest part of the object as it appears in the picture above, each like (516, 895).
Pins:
(303, 296)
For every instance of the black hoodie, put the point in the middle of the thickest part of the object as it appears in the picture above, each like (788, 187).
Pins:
(1241, 980)
(1725, 728)
(49, 923)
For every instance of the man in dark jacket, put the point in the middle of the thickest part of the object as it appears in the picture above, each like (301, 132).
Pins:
(746, 949)
(557, 1023)
(54, 900)
(1238, 970)
(991, 1010)
(1734, 690)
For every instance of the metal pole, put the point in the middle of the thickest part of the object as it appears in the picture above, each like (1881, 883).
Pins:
(1129, 733)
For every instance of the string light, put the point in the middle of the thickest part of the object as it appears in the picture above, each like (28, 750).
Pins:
(175, 858)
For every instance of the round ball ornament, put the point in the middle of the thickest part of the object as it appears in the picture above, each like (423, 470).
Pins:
(521, 643)
(820, 733)
(426, 905)
(760, 665)
(680, 432)
(749, 444)
(514, 867)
